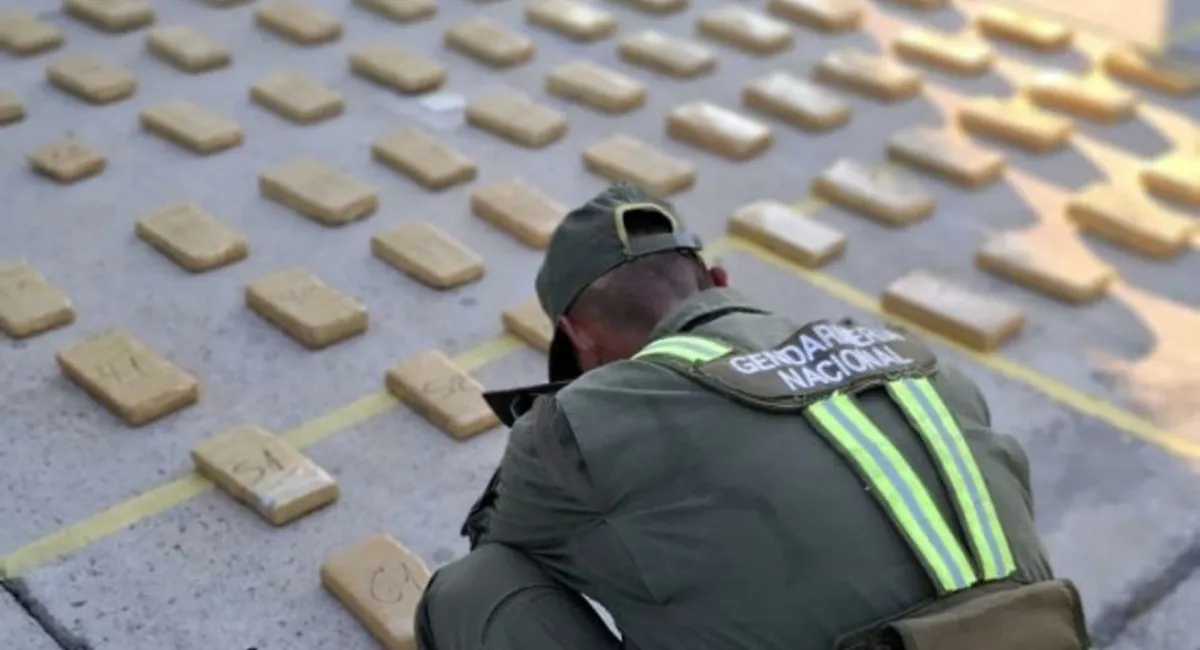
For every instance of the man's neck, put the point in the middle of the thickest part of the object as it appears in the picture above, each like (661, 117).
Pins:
(700, 307)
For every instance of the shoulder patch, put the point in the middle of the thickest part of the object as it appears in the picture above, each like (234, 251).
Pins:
(820, 358)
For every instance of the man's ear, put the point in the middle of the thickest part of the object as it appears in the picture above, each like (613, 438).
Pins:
(719, 277)
(587, 350)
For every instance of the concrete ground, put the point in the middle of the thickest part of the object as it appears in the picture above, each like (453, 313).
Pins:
(109, 541)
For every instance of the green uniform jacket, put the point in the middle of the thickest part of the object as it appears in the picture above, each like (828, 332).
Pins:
(703, 524)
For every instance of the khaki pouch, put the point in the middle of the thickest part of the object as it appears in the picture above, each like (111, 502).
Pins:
(1040, 616)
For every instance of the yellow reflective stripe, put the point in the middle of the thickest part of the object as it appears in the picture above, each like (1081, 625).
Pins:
(702, 345)
(901, 492)
(927, 509)
(1005, 562)
(693, 349)
(898, 489)
(683, 353)
(950, 466)
(971, 491)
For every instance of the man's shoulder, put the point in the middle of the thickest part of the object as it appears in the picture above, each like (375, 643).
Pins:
(609, 385)
(617, 387)
(594, 412)
(618, 378)
(961, 394)
(617, 383)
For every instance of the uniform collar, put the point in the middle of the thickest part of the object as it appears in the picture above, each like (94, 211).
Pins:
(700, 306)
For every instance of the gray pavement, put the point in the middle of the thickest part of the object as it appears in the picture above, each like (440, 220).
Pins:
(1118, 513)
(1170, 625)
(19, 629)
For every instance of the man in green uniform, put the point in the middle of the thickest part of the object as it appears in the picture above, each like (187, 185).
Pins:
(720, 477)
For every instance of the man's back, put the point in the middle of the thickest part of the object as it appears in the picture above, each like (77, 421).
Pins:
(703, 523)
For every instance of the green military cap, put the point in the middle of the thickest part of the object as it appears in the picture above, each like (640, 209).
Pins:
(592, 240)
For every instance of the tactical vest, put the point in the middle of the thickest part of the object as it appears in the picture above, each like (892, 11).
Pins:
(816, 373)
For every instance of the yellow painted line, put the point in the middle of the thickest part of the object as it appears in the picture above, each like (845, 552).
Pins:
(811, 205)
(100, 525)
(1094, 406)
(344, 417)
(713, 251)
(74, 537)
(493, 349)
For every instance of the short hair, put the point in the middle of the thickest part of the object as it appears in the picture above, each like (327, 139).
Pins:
(639, 293)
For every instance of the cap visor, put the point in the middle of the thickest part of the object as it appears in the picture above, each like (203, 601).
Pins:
(512, 403)
(562, 366)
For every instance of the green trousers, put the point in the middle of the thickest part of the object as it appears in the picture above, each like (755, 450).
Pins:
(495, 598)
